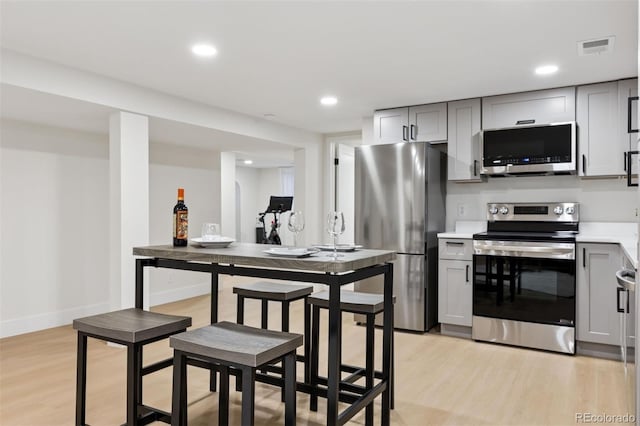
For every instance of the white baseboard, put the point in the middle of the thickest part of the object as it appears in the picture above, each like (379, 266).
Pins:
(173, 295)
(28, 324)
(32, 323)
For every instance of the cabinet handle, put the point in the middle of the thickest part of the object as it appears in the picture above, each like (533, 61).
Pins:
(467, 273)
(630, 102)
(584, 164)
(455, 243)
(625, 161)
(405, 133)
(630, 155)
(475, 167)
(584, 257)
(530, 121)
(413, 132)
(618, 291)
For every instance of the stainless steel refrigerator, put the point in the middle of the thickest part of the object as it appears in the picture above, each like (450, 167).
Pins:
(400, 205)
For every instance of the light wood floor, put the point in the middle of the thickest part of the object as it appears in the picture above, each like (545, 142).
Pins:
(439, 379)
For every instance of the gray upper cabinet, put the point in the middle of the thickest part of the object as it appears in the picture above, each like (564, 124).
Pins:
(602, 150)
(421, 123)
(597, 318)
(390, 126)
(464, 140)
(539, 107)
(607, 120)
(628, 107)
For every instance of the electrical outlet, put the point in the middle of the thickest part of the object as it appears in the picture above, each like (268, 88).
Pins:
(461, 210)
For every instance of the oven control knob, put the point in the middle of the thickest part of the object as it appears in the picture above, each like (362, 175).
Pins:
(558, 210)
(504, 210)
(493, 210)
(570, 210)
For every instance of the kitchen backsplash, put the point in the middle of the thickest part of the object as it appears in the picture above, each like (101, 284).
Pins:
(602, 200)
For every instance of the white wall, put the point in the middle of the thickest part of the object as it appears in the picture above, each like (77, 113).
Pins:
(247, 178)
(198, 172)
(603, 200)
(54, 250)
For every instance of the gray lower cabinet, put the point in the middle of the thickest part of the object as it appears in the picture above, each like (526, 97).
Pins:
(455, 282)
(455, 291)
(597, 317)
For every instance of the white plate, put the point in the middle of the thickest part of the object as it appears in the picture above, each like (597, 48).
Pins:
(220, 242)
(339, 247)
(291, 252)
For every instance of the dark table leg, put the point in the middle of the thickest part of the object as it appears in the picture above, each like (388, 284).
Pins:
(386, 342)
(81, 380)
(214, 319)
(333, 368)
(139, 283)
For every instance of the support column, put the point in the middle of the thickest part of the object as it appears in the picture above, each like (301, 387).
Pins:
(228, 194)
(129, 203)
(308, 193)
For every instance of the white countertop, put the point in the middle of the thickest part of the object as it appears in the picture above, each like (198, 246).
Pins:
(623, 233)
(465, 229)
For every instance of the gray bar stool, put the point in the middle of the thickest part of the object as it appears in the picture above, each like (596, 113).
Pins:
(224, 345)
(267, 291)
(132, 328)
(367, 304)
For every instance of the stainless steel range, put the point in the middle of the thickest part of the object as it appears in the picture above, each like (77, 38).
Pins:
(524, 276)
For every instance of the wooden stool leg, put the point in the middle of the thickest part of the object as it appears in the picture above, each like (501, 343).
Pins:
(290, 388)
(265, 319)
(240, 320)
(133, 371)
(392, 374)
(285, 305)
(369, 366)
(179, 396)
(223, 396)
(307, 341)
(139, 377)
(81, 380)
(240, 310)
(265, 314)
(248, 395)
(315, 340)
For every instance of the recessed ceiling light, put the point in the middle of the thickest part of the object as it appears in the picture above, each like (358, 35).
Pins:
(329, 100)
(546, 69)
(248, 161)
(204, 50)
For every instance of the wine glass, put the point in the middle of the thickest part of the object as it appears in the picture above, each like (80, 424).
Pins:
(335, 222)
(296, 224)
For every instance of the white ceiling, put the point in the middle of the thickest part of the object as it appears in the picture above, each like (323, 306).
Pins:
(281, 57)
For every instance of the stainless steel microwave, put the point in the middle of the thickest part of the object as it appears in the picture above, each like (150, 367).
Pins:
(530, 149)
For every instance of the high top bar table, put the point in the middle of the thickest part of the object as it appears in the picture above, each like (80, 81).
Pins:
(250, 260)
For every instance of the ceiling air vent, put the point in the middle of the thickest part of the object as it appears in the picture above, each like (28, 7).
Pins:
(596, 46)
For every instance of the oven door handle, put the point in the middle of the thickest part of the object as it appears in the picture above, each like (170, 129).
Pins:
(523, 251)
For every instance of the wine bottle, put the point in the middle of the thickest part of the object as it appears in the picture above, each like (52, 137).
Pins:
(180, 221)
